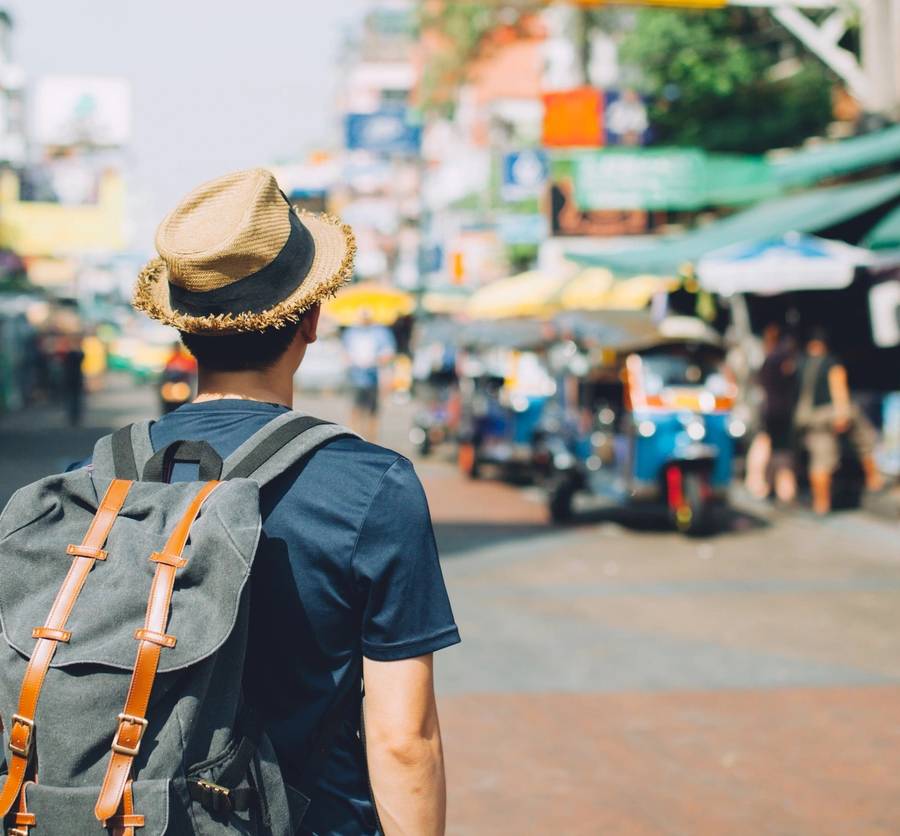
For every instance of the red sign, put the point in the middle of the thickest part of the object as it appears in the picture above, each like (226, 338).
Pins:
(573, 118)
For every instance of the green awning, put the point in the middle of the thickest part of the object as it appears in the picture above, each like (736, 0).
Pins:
(668, 178)
(811, 165)
(813, 212)
(886, 234)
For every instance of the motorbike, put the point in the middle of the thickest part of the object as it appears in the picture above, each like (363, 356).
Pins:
(176, 387)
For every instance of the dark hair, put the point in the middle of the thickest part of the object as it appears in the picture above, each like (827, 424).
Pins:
(252, 351)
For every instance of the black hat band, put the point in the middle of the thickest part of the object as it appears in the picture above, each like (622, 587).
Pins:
(259, 291)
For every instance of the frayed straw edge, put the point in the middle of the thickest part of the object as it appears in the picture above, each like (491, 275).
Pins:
(276, 317)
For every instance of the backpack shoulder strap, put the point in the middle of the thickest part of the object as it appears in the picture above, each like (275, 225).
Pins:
(123, 454)
(279, 444)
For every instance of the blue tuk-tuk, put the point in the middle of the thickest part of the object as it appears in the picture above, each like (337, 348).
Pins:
(504, 387)
(653, 420)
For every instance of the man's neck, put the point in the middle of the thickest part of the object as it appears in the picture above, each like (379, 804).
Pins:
(264, 386)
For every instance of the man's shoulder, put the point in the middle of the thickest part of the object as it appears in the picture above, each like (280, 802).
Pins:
(361, 460)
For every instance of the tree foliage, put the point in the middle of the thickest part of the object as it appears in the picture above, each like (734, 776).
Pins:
(709, 78)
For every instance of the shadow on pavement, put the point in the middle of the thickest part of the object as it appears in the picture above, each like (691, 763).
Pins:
(456, 538)
(725, 520)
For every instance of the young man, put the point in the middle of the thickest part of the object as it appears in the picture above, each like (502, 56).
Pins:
(347, 564)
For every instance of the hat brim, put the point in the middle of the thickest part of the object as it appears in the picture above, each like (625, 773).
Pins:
(331, 268)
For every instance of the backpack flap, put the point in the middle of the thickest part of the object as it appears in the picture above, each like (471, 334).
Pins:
(74, 806)
(41, 521)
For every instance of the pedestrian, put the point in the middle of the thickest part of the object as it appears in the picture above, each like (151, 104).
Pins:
(825, 412)
(347, 574)
(369, 348)
(72, 356)
(773, 447)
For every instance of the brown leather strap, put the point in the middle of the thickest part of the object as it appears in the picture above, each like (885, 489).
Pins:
(125, 820)
(133, 720)
(23, 820)
(21, 728)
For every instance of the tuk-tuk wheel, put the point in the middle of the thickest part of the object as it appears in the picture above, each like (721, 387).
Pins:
(692, 516)
(560, 504)
(468, 461)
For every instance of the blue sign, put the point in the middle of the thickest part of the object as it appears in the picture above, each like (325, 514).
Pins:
(525, 174)
(383, 132)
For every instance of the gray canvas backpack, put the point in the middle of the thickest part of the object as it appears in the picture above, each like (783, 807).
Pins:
(124, 610)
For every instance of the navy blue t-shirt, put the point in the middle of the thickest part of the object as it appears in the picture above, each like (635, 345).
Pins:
(347, 565)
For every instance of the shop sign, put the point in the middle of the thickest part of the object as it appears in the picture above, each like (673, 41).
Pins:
(383, 132)
(667, 179)
(573, 118)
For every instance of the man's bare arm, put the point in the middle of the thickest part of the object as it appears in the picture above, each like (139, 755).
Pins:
(403, 744)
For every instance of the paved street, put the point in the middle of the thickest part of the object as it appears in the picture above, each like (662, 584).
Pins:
(614, 680)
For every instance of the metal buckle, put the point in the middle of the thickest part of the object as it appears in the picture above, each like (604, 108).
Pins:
(121, 749)
(219, 796)
(17, 831)
(25, 750)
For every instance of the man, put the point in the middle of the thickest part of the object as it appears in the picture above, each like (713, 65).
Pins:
(369, 347)
(825, 411)
(347, 563)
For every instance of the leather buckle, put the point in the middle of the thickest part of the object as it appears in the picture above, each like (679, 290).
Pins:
(23, 750)
(121, 748)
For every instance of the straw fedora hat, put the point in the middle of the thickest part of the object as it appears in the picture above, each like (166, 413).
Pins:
(235, 256)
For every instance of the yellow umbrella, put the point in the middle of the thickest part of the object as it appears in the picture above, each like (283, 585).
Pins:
(587, 291)
(383, 304)
(527, 294)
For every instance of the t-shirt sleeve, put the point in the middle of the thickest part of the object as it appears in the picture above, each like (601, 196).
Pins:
(405, 608)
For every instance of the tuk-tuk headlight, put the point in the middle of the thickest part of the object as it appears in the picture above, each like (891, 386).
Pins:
(519, 403)
(696, 431)
(737, 428)
(563, 461)
(646, 429)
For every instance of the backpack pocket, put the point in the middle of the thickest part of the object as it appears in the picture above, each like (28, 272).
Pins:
(64, 811)
(240, 791)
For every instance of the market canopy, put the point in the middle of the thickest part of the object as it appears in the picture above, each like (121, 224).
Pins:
(811, 165)
(780, 265)
(527, 294)
(595, 289)
(811, 212)
(886, 234)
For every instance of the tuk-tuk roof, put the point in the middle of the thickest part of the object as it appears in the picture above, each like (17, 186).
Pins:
(627, 331)
(517, 334)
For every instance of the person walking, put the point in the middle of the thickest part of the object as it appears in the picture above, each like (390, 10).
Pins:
(72, 356)
(825, 412)
(369, 348)
(773, 447)
(346, 575)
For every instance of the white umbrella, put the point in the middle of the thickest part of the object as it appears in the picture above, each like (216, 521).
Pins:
(780, 265)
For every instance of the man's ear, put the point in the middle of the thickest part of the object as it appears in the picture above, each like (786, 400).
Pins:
(309, 324)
